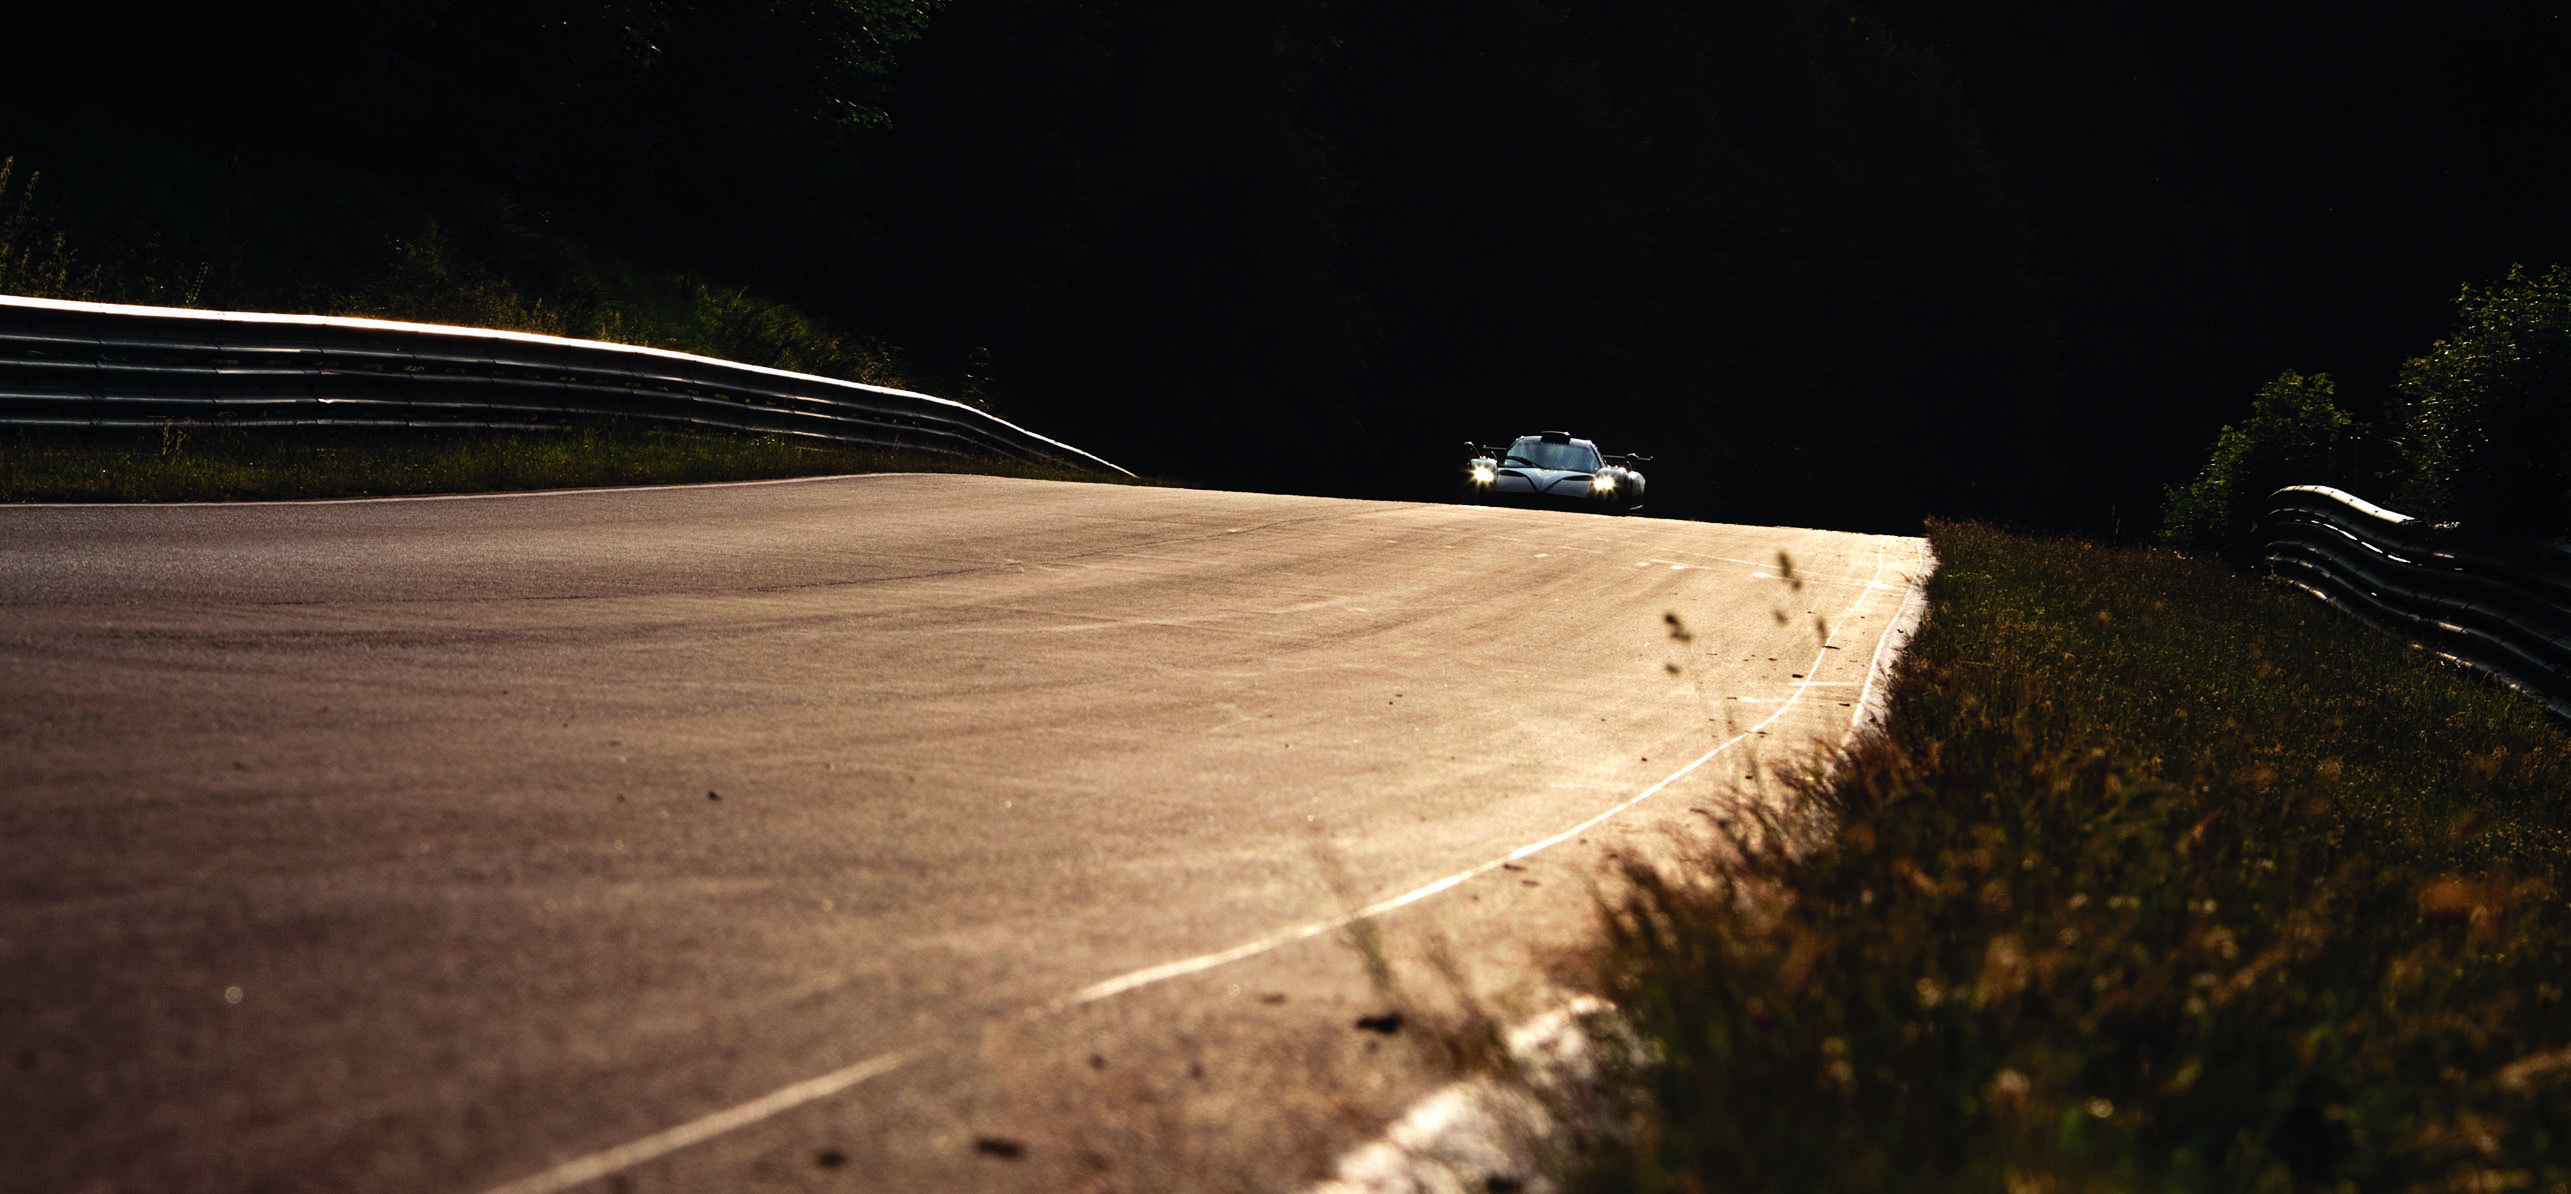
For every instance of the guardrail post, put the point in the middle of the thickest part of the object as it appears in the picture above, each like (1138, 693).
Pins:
(2498, 606)
(105, 365)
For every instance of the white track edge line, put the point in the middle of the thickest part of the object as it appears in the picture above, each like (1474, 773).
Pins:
(1905, 623)
(601, 1164)
(1185, 966)
(1465, 1091)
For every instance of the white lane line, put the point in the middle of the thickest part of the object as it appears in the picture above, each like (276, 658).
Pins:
(1186, 966)
(1872, 699)
(601, 1164)
(1203, 962)
(451, 497)
(1474, 1133)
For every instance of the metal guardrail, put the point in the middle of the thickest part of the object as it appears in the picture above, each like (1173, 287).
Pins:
(2500, 606)
(102, 365)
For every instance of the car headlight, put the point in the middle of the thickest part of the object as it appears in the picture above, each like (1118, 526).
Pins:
(1602, 483)
(1483, 474)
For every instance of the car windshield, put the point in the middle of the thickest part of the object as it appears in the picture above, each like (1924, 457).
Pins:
(1570, 457)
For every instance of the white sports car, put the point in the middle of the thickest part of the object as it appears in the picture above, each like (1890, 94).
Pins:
(1550, 468)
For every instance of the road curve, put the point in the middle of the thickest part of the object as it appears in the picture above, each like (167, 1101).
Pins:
(714, 837)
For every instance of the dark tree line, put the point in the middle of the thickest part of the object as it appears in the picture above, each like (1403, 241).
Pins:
(1833, 262)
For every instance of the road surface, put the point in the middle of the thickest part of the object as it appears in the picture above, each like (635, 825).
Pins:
(892, 832)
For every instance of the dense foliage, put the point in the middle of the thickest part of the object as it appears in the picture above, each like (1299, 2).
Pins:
(2160, 879)
(2295, 435)
(1838, 262)
(2487, 413)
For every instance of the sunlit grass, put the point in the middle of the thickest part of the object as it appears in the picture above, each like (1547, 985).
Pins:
(179, 463)
(2164, 878)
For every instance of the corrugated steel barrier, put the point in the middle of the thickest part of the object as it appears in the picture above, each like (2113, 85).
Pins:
(101, 365)
(2497, 605)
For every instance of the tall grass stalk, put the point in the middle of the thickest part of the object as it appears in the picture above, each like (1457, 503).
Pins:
(2162, 878)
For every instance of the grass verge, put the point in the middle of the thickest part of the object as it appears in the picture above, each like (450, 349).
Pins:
(183, 463)
(2162, 877)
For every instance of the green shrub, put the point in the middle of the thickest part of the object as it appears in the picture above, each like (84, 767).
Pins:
(35, 256)
(378, 256)
(2487, 413)
(2296, 435)
(564, 289)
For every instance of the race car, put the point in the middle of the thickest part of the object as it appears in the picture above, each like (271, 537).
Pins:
(1550, 468)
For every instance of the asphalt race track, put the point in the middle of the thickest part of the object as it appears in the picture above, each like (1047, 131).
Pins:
(895, 832)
